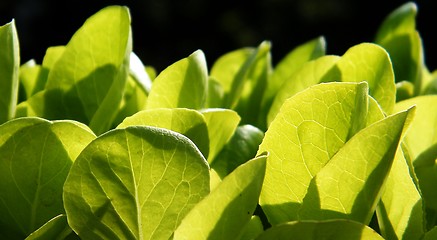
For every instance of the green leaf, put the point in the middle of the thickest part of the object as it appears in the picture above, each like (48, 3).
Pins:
(53, 54)
(134, 183)
(401, 20)
(36, 158)
(183, 84)
(398, 35)
(188, 122)
(225, 212)
(138, 72)
(222, 124)
(243, 75)
(252, 229)
(9, 65)
(134, 100)
(226, 68)
(215, 94)
(329, 230)
(253, 84)
(432, 234)
(404, 90)
(400, 211)
(32, 79)
(422, 125)
(307, 132)
(311, 73)
(291, 63)
(241, 148)
(312, 127)
(425, 167)
(87, 81)
(55, 228)
(371, 63)
(349, 185)
(250, 81)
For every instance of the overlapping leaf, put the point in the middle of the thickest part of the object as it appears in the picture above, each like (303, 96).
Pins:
(221, 126)
(9, 64)
(400, 211)
(224, 213)
(321, 129)
(398, 35)
(87, 80)
(55, 228)
(183, 84)
(188, 122)
(311, 73)
(134, 183)
(291, 63)
(315, 230)
(36, 156)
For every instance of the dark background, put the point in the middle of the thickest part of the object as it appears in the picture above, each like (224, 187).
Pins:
(165, 31)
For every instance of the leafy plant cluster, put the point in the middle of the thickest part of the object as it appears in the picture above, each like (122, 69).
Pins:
(95, 145)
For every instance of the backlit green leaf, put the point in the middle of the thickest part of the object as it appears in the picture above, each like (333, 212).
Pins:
(314, 126)
(311, 73)
(307, 132)
(252, 229)
(224, 213)
(55, 228)
(53, 54)
(432, 234)
(226, 68)
(188, 122)
(9, 65)
(315, 230)
(425, 166)
(36, 156)
(350, 184)
(398, 35)
(401, 20)
(420, 136)
(221, 125)
(371, 63)
(291, 63)
(400, 211)
(134, 183)
(87, 81)
(183, 84)
(241, 148)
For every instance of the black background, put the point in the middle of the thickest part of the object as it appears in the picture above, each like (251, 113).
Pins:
(165, 31)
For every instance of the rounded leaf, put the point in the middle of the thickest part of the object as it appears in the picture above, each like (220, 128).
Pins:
(36, 156)
(134, 183)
